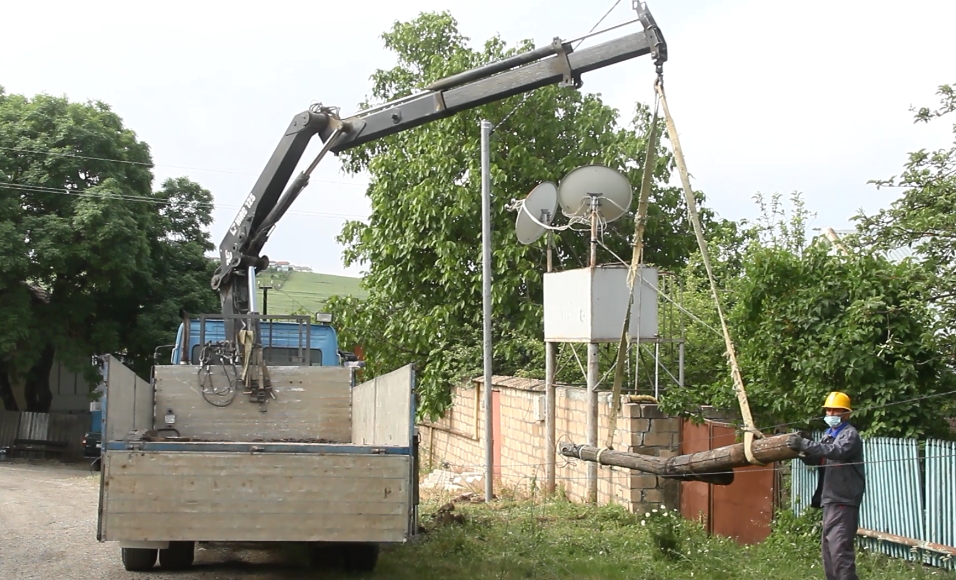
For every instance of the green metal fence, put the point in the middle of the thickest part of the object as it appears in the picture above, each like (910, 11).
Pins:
(910, 494)
(940, 523)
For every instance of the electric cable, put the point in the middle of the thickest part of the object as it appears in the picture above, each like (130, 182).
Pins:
(143, 199)
(579, 41)
(150, 164)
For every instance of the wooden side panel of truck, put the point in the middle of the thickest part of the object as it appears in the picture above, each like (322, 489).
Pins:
(256, 497)
(323, 462)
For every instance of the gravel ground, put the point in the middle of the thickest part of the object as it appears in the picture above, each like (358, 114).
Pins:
(48, 531)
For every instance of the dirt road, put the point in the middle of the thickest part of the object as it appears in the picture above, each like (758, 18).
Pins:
(48, 531)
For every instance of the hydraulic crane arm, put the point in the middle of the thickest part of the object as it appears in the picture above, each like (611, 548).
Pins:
(265, 205)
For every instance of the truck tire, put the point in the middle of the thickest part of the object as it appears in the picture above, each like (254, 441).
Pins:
(360, 557)
(323, 555)
(178, 556)
(139, 559)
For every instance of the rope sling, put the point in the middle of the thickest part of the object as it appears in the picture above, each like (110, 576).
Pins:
(640, 218)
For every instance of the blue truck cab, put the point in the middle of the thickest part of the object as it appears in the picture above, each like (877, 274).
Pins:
(280, 342)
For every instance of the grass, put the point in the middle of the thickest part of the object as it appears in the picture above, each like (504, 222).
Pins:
(557, 540)
(307, 292)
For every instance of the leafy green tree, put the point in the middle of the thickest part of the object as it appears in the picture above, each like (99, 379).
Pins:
(924, 218)
(91, 260)
(705, 360)
(819, 322)
(807, 320)
(421, 246)
(178, 273)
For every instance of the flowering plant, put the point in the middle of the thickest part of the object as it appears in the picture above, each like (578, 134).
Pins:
(664, 527)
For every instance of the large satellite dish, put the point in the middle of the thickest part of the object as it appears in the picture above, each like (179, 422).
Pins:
(588, 181)
(536, 212)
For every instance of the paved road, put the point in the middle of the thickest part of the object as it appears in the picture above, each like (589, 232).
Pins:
(48, 530)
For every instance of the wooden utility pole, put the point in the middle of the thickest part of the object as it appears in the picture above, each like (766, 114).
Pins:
(715, 466)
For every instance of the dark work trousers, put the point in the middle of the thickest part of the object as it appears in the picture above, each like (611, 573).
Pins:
(840, 523)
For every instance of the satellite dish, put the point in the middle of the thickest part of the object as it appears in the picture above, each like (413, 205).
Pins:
(536, 212)
(581, 184)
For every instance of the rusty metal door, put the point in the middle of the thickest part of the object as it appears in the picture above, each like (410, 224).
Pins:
(743, 510)
(695, 495)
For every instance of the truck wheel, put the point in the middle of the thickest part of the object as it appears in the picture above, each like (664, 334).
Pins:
(177, 556)
(360, 557)
(139, 559)
(324, 555)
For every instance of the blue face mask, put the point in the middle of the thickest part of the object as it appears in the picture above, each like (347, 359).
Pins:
(833, 420)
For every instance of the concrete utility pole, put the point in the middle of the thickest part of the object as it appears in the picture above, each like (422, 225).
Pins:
(486, 303)
(594, 369)
(550, 404)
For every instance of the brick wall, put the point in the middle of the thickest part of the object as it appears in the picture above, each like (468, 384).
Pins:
(455, 444)
(454, 441)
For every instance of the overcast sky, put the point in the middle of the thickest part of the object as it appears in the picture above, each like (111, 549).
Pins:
(768, 96)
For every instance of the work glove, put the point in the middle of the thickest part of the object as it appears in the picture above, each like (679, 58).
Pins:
(795, 442)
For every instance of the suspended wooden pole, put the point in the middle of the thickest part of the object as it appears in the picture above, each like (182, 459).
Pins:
(715, 466)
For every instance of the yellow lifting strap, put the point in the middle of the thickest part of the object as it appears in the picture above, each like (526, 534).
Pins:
(640, 220)
(247, 339)
(750, 430)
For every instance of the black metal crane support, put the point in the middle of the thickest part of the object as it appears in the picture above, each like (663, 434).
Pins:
(265, 205)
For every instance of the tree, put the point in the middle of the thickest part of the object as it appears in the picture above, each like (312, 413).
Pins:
(923, 217)
(859, 323)
(421, 244)
(91, 260)
(808, 320)
(178, 274)
(730, 243)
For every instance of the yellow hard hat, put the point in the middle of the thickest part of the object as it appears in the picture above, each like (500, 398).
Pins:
(837, 400)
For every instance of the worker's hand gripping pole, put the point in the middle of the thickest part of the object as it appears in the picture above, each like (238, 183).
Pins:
(750, 430)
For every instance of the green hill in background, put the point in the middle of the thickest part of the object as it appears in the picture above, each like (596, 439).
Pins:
(294, 292)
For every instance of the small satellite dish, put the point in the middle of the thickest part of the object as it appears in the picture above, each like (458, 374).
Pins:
(536, 212)
(581, 184)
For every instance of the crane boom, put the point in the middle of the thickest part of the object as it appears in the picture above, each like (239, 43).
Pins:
(557, 63)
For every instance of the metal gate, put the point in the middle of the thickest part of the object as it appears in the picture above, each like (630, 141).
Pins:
(743, 510)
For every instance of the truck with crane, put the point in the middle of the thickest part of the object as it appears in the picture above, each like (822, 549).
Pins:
(230, 443)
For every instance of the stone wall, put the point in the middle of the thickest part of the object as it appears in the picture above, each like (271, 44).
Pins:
(456, 442)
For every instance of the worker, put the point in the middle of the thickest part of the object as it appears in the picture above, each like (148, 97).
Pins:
(840, 454)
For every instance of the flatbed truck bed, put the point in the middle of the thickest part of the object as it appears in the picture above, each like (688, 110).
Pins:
(323, 463)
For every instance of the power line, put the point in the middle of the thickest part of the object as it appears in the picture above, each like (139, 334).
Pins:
(569, 461)
(696, 319)
(145, 164)
(143, 199)
(580, 40)
(753, 469)
(805, 421)
(598, 23)
(690, 314)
